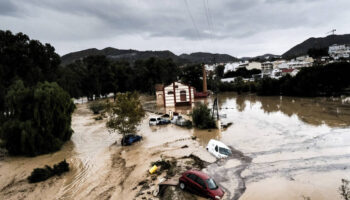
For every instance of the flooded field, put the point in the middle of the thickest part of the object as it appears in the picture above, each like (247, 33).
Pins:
(299, 147)
(284, 148)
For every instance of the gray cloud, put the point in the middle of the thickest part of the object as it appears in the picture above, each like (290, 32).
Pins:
(235, 24)
(7, 8)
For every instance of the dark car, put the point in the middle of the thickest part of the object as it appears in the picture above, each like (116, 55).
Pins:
(130, 139)
(200, 184)
(162, 121)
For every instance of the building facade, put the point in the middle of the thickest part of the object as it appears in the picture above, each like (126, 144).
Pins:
(339, 51)
(175, 94)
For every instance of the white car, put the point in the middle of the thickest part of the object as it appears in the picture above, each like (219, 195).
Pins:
(218, 149)
(153, 121)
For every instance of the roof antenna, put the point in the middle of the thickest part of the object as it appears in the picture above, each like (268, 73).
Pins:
(332, 31)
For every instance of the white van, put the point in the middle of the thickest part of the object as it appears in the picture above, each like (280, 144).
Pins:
(218, 149)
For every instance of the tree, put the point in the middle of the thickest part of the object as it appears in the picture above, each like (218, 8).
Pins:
(25, 59)
(192, 75)
(37, 120)
(202, 118)
(344, 189)
(219, 71)
(125, 113)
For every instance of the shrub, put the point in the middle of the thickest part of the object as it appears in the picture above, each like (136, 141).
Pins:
(42, 174)
(201, 117)
(97, 106)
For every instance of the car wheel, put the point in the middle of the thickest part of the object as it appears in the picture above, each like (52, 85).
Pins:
(182, 185)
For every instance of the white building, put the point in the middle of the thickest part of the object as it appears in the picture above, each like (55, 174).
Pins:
(339, 51)
(266, 69)
(175, 94)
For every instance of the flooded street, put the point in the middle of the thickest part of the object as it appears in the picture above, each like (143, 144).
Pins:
(283, 148)
(299, 147)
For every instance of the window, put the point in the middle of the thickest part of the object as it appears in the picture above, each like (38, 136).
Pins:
(182, 92)
(192, 176)
(170, 92)
(225, 151)
(201, 182)
(216, 148)
(211, 184)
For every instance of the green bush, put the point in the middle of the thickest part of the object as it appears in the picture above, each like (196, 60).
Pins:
(97, 106)
(42, 174)
(37, 119)
(202, 118)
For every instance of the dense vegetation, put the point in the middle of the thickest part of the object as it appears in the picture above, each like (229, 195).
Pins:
(35, 114)
(242, 72)
(202, 117)
(42, 174)
(329, 80)
(98, 76)
(37, 119)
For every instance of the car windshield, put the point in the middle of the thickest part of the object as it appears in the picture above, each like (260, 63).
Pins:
(225, 151)
(152, 119)
(211, 184)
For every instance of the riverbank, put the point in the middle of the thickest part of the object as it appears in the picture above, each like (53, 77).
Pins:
(101, 168)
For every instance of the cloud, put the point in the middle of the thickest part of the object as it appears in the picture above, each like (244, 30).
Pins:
(231, 26)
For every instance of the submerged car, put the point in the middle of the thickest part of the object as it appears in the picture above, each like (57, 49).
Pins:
(218, 149)
(152, 121)
(130, 139)
(200, 184)
(162, 121)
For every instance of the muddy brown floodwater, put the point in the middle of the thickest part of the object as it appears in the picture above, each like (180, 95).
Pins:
(283, 148)
(299, 147)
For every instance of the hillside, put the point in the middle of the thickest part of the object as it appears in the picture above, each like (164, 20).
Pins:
(262, 58)
(133, 55)
(316, 43)
(202, 57)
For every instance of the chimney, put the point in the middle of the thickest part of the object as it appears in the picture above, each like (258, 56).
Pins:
(205, 89)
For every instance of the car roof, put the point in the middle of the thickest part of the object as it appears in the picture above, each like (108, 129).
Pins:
(220, 144)
(200, 174)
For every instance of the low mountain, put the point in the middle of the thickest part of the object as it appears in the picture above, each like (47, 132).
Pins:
(316, 43)
(208, 58)
(117, 54)
(262, 58)
(133, 55)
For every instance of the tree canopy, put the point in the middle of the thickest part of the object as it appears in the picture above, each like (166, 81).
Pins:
(35, 115)
(202, 118)
(37, 119)
(125, 113)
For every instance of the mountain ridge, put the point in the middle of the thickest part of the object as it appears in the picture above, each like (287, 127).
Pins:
(132, 55)
(316, 43)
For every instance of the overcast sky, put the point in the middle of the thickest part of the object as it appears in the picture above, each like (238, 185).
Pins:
(237, 27)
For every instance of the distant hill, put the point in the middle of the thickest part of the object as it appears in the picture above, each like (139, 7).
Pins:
(133, 55)
(262, 58)
(316, 43)
(202, 57)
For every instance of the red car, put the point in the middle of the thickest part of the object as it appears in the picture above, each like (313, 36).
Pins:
(201, 184)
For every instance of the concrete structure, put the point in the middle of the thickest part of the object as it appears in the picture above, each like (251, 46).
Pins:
(266, 69)
(291, 72)
(253, 65)
(339, 51)
(175, 94)
(205, 88)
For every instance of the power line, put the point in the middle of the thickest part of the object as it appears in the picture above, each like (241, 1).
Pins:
(192, 19)
(207, 16)
(210, 16)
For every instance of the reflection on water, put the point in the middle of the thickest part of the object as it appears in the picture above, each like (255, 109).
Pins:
(315, 111)
(292, 141)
